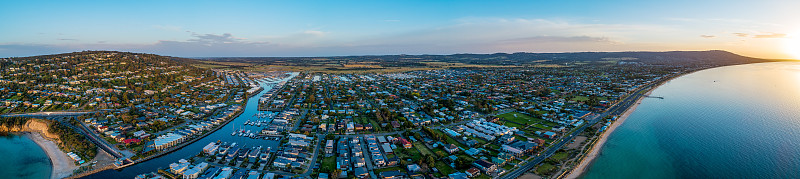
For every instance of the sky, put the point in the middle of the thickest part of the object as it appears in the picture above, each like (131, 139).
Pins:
(764, 29)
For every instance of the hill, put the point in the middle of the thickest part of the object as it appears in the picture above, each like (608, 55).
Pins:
(383, 62)
(93, 80)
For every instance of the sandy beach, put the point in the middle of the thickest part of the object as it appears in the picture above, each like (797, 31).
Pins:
(63, 165)
(577, 171)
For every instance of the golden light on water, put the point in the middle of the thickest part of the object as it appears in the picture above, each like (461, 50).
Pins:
(792, 45)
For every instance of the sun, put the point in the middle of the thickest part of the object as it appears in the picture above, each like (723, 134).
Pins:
(792, 45)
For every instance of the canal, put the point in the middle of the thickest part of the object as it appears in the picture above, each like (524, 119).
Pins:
(223, 135)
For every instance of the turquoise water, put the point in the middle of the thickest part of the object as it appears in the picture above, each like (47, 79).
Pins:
(730, 122)
(22, 158)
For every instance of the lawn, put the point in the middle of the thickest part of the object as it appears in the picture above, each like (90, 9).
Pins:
(422, 148)
(559, 156)
(328, 164)
(444, 168)
(375, 125)
(524, 119)
(544, 169)
(508, 167)
(580, 98)
(408, 153)
(439, 150)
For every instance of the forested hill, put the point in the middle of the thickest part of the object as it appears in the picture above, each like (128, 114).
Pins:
(705, 58)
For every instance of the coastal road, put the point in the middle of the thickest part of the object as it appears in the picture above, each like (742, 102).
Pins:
(51, 114)
(617, 109)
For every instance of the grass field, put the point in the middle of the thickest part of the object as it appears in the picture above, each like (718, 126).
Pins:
(422, 148)
(525, 119)
(328, 164)
(444, 168)
(560, 156)
(580, 98)
(544, 168)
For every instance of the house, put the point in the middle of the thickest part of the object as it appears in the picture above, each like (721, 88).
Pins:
(387, 148)
(180, 167)
(452, 148)
(405, 143)
(549, 134)
(195, 171)
(414, 168)
(211, 148)
(394, 174)
(473, 172)
(473, 152)
(512, 150)
(329, 147)
(131, 141)
(458, 175)
(359, 162)
(527, 147)
(507, 139)
(485, 166)
(361, 172)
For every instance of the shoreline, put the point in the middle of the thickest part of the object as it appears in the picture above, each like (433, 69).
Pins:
(589, 158)
(591, 155)
(62, 164)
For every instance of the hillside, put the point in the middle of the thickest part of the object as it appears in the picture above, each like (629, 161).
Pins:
(92, 80)
(679, 58)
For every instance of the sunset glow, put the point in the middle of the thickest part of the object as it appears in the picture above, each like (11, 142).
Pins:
(792, 45)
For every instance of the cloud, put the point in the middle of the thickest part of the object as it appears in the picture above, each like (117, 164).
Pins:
(770, 35)
(65, 39)
(707, 36)
(762, 35)
(468, 35)
(213, 38)
(314, 33)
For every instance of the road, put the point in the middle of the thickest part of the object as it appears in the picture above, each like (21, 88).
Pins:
(99, 141)
(617, 109)
(51, 114)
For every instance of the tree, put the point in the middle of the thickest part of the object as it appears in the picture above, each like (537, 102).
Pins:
(335, 173)
(463, 163)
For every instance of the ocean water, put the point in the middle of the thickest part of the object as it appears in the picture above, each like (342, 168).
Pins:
(22, 158)
(730, 122)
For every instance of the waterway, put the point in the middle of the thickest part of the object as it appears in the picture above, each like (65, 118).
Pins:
(22, 158)
(223, 135)
(730, 122)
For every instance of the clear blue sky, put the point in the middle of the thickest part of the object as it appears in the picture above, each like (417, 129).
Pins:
(326, 28)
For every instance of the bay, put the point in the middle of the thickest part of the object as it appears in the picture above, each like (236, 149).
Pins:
(729, 122)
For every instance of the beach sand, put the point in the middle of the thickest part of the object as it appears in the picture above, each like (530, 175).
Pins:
(63, 165)
(577, 171)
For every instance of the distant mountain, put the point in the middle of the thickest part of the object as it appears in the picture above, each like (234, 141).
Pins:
(713, 57)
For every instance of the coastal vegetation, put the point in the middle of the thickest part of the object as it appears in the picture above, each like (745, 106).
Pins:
(72, 141)
(10, 124)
